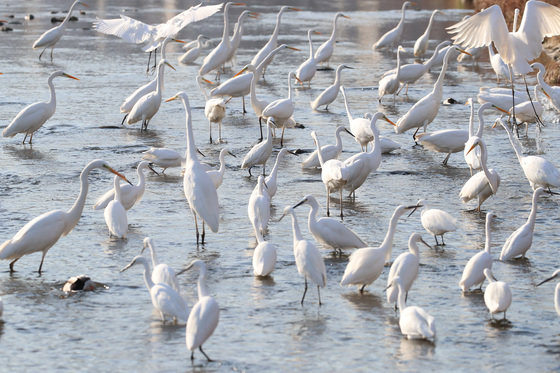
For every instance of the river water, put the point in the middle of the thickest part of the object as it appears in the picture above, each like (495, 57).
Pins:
(262, 325)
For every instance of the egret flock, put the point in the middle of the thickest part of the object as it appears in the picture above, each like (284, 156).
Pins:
(220, 78)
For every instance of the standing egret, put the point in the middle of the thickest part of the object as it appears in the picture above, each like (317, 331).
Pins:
(257, 105)
(204, 315)
(50, 37)
(197, 184)
(130, 194)
(32, 117)
(115, 214)
(553, 93)
(193, 50)
(260, 152)
(238, 33)
(539, 171)
(500, 97)
(218, 175)
(484, 183)
(473, 274)
(529, 111)
(521, 240)
(258, 208)
(329, 151)
(41, 233)
(444, 141)
(421, 43)
(389, 84)
(161, 273)
(309, 262)
(436, 222)
(497, 295)
(498, 65)
(393, 36)
(214, 109)
(264, 257)
(165, 299)
(306, 71)
(271, 180)
(366, 264)
(405, 267)
(148, 105)
(328, 231)
(556, 291)
(325, 51)
(164, 158)
(330, 93)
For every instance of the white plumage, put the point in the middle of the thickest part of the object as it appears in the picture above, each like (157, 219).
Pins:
(115, 213)
(473, 274)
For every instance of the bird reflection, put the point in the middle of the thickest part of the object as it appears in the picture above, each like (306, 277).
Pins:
(312, 325)
(413, 349)
(24, 152)
(363, 301)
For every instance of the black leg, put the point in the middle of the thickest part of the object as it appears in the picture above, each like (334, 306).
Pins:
(362, 288)
(12, 265)
(319, 294)
(304, 291)
(149, 59)
(204, 353)
(125, 116)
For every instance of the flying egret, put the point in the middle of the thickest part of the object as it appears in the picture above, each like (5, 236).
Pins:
(328, 231)
(473, 274)
(214, 109)
(238, 34)
(41, 233)
(444, 141)
(258, 208)
(389, 84)
(217, 175)
(193, 50)
(393, 36)
(329, 151)
(161, 272)
(77, 283)
(204, 315)
(436, 222)
(309, 262)
(521, 240)
(271, 180)
(50, 37)
(556, 291)
(422, 42)
(197, 184)
(164, 158)
(405, 267)
(264, 257)
(32, 117)
(484, 183)
(148, 105)
(330, 93)
(366, 264)
(260, 152)
(553, 93)
(325, 51)
(130, 194)
(498, 65)
(497, 295)
(165, 299)
(539, 171)
(115, 213)
(306, 71)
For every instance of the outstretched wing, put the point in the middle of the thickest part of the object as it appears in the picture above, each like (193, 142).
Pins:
(539, 20)
(481, 29)
(181, 20)
(125, 28)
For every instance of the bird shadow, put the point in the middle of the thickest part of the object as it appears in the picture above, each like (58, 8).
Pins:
(413, 349)
(24, 153)
(500, 324)
(363, 301)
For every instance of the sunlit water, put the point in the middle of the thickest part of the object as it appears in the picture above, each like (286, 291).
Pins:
(262, 325)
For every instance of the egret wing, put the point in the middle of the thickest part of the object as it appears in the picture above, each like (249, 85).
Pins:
(539, 20)
(481, 29)
(126, 28)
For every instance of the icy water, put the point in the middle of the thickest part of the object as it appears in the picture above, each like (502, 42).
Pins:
(262, 324)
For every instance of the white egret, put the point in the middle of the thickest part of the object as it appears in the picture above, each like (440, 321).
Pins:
(165, 299)
(328, 231)
(500, 97)
(330, 93)
(405, 267)
(393, 36)
(161, 272)
(539, 171)
(130, 194)
(238, 34)
(499, 66)
(388, 145)
(366, 264)
(306, 71)
(271, 180)
(329, 151)
(193, 50)
(529, 111)
(148, 105)
(41, 233)
(521, 240)
(197, 184)
(77, 283)
(309, 262)
(50, 37)
(436, 222)
(556, 291)
(334, 174)
(258, 208)
(32, 117)
(414, 322)
(217, 175)
(214, 109)
(426, 109)
(164, 158)
(444, 141)
(484, 183)
(473, 274)
(115, 213)
(272, 42)
(421, 43)
(325, 51)
(219, 55)
(204, 315)
(264, 257)
(553, 93)
(497, 295)
(389, 84)
(260, 152)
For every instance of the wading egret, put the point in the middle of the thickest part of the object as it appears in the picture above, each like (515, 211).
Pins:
(238, 34)
(436, 222)
(444, 141)
(115, 213)
(388, 145)
(260, 152)
(529, 111)
(521, 240)
(264, 257)
(41, 233)
(50, 37)
(271, 180)
(393, 36)
(306, 71)
(389, 83)
(328, 151)
(421, 43)
(197, 184)
(164, 298)
(309, 262)
(325, 51)
(553, 93)
(218, 175)
(499, 66)
(214, 109)
(500, 97)
(193, 50)
(258, 208)
(497, 295)
(366, 264)
(473, 274)
(329, 95)
(77, 283)
(161, 273)
(32, 117)
(556, 291)
(164, 158)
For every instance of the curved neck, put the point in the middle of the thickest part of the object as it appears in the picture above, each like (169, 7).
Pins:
(533, 214)
(141, 178)
(319, 151)
(398, 64)
(191, 147)
(274, 171)
(159, 84)
(253, 91)
(346, 105)
(67, 18)
(514, 142)
(310, 46)
(488, 236)
(428, 64)
(202, 288)
(147, 274)
(238, 29)
(333, 34)
(413, 248)
(480, 129)
(376, 149)
(295, 229)
(117, 189)
(163, 47)
(438, 87)
(471, 120)
(153, 255)
(222, 168)
(387, 244)
(338, 139)
(402, 16)
(313, 211)
(429, 28)
(225, 35)
(201, 87)
(401, 300)
(540, 78)
(75, 211)
(52, 99)
(290, 87)
(274, 37)
(483, 158)
(260, 67)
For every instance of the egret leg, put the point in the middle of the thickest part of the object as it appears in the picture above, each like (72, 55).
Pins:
(52, 49)
(513, 100)
(31, 138)
(12, 265)
(327, 108)
(210, 128)
(196, 225)
(125, 116)
(328, 202)
(282, 137)
(23, 142)
(149, 59)
(203, 232)
(264, 165)
(42, 259)
(250, 171)
(319, 294)
(442, 241)
(304, 291)
(220, 131)
(341, 214)
(41, 55)
(446, 159)
(362, 288)
(437, 243)
(414, 136)
(204, 353)
(260, 126)
(539, 121)
(245, 111)
(192, 355)
(155, 60)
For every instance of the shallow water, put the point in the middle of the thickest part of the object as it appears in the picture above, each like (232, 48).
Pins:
(262, 325)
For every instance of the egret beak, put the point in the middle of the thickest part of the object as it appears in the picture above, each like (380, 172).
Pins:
(294, 49)
(425, 243)
(239, 4)
(128, 266)
(84, 4)
(502, 110)
(117, 173)
(172, 98)
(293, 153)
(300, 203)
(70, 76)
(546, 94)
(463, 51)
(228, 100)
(547, 280)
(230, 153)
(295, 9)
(343, 16)
(348, 67)
(316, 32)
(179, 41)
(414, 208)
(472, 147)
(151, 167)
(207, 81)
(389, 120)
(388, 286)
(413, 3)
(199, 152)
(241, 71)
(298, 79)
(168, 64)
(254, 15)
(184, 270)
